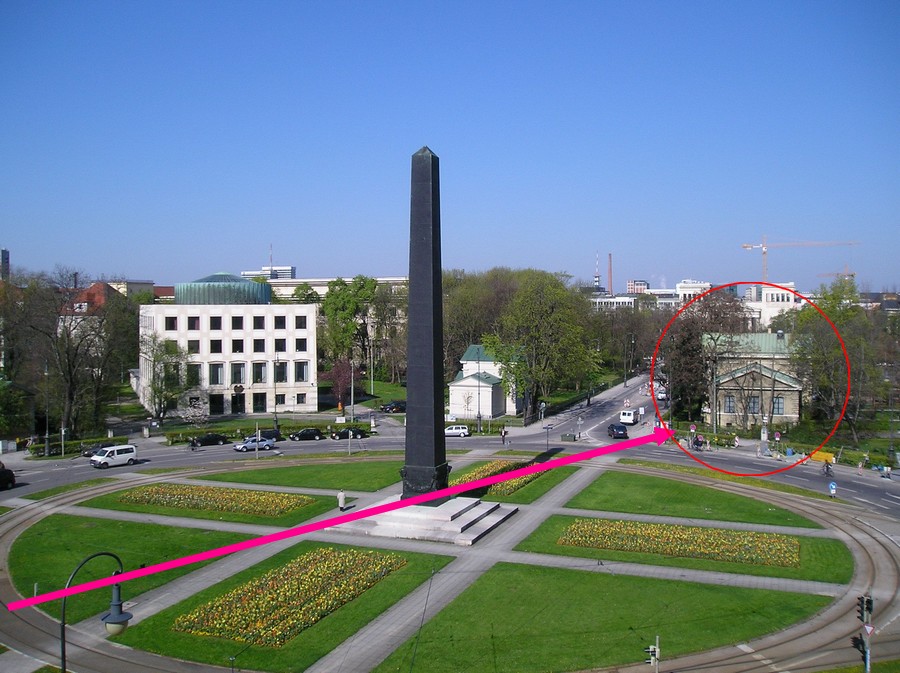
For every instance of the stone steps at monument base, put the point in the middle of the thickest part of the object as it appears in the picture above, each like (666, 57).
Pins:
(459, 521)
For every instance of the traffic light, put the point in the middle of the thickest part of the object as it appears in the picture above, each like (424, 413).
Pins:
(870, 606)
(861, 612)
(653, 651)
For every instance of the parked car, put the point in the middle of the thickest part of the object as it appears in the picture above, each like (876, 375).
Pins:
(274, 435)
(395, 407)
(7, 479)
(617, 431)
(307, 433)
(94, 448)
(124, 454)
(208, 439)
(347, 433)
(457, 431)
(252, 444)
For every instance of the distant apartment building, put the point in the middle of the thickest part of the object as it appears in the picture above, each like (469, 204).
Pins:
(246, 355)
(272, 272)
(636, 286)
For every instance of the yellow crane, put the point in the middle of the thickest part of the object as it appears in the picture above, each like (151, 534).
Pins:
(764, 246)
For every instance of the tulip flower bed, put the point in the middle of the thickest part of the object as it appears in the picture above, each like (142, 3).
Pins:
(749, 547)
(212, 498)
(498, 467)
(272, 609)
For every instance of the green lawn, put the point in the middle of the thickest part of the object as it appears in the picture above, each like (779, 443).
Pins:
(156, 635)
(822, 560)
(758, 482)
(371, 475)
(66, 488)
(62, 541)
(524, 619)
(639, 494)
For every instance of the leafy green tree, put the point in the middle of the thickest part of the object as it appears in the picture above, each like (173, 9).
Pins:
(388, 348)
(164, 364)
(819, 358)
(346, 312)
(12, 408)
(305, 294)
(540, 337)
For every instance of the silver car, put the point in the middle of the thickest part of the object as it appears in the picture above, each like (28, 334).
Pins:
(253, 444)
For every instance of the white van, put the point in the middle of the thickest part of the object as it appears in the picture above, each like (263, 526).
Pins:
(628, 417)
(124, 454)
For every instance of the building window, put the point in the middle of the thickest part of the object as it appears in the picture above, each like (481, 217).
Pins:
(280, 371)
(301, 371)
(280, 345)
(237, 373)
(300, 322)
(280, 322)
(259, 372)
(778, 406)
(237, 322)
(216, 374)
(193, 346)
(193, 374)
(216, 405)
(215, 345)
(301, 398)
(259, 322)
(259, 403)
(237, 345)
(753, 407)
(279, 399)
(259, 345)
(171, 323)
(729, 404)
(193, 322)
(215, 322)
(300, 345)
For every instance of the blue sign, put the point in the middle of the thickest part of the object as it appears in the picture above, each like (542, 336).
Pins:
(832, 486)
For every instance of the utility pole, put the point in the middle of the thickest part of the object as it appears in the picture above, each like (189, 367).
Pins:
(653, 659)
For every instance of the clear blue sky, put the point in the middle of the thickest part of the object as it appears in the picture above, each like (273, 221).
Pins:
(169, 140)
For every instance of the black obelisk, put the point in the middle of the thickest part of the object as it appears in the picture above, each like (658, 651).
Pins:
(425, 468)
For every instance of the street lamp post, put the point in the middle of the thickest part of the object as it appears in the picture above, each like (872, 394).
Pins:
(115, 620)
(626, 358)
(47, 417)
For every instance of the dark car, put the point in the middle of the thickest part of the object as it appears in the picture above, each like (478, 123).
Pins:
(395, 407)
(617, 431)
(307, 433)
(251, 444)
(274, 435)
(347, 433)
(208, 439)
(7, 479)
(94, 448)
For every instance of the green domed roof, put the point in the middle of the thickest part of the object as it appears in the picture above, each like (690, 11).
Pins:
(223, 288)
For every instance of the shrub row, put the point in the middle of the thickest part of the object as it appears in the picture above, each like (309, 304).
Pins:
(215, 499)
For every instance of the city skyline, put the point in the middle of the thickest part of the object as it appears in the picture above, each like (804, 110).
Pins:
(166, 142)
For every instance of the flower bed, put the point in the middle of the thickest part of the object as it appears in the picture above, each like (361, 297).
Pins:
(499, 467)
(270, 610)
(767, 549)
(211, 498)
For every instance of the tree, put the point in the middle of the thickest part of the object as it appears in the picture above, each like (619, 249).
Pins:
(346, 308)
(164, 364)
(196, 413)
(12, 408)
(540, 336)
(388, 347)
(819, 359)
(305, 294)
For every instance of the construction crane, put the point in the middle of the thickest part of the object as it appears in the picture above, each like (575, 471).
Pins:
(764, 246)
(846, 273)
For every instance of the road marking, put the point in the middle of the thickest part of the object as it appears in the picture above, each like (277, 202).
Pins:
(873, 504)
(744, 647)
(891, 495)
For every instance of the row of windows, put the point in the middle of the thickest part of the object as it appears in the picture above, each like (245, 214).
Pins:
(239, 402)
(753, 405)
(237, 322)
(237, 345)
(258, 373)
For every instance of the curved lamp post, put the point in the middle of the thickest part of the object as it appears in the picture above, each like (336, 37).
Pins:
(115, 620)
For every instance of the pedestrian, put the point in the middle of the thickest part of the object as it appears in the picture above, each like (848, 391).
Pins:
(859, 468)
(342, 500)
